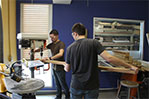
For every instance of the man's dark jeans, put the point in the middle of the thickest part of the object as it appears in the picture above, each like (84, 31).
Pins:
(87, 94)
(60, 82)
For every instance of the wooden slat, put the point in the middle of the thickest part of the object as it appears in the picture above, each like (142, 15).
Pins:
(117, 69)
(112, 69)
(54, 62)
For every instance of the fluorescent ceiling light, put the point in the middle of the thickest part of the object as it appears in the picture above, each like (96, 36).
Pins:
(62, 1)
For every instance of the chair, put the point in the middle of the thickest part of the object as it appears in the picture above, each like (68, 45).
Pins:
(129, 85)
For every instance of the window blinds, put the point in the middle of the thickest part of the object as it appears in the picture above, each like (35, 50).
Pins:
(35, 21)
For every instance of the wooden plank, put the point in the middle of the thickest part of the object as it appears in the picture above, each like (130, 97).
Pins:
(54, 62)
(112, 69)
(117, 69)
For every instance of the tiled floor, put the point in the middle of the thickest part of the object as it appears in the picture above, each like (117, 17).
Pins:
(106, 94)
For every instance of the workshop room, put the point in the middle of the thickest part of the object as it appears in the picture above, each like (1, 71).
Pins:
(74, 49)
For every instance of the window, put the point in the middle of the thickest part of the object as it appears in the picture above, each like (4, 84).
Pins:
(36, 20)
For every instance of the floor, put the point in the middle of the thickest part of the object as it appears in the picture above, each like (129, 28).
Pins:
(105, 94)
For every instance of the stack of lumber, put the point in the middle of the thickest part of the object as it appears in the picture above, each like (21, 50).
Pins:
(127, 58)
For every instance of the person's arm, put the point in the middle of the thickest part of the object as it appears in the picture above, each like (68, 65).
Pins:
(58, 55)
(116, 61)
(67, 66)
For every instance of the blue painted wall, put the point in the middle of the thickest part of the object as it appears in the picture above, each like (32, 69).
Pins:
(64, 16)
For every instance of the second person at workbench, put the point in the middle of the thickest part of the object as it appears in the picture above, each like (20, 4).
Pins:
(57, 48)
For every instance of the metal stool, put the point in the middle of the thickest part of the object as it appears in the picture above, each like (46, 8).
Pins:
(129, 85)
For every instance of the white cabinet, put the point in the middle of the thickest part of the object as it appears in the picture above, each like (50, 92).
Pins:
(120, 34)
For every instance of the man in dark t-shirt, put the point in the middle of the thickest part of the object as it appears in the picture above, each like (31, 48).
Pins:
(57, 48)
(81, 58)
(84, 66)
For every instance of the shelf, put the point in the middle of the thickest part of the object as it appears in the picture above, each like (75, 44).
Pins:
(116, 30)
(121, 34)
(116, 44)
(114, 34)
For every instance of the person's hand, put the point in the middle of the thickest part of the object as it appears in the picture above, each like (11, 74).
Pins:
(66, 67)
(50, 58)
(134, 69)
(35, 50)
(65, 64)
(44, 59)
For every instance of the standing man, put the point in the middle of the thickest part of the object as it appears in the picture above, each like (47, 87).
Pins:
(81, 58)
(57, 48)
